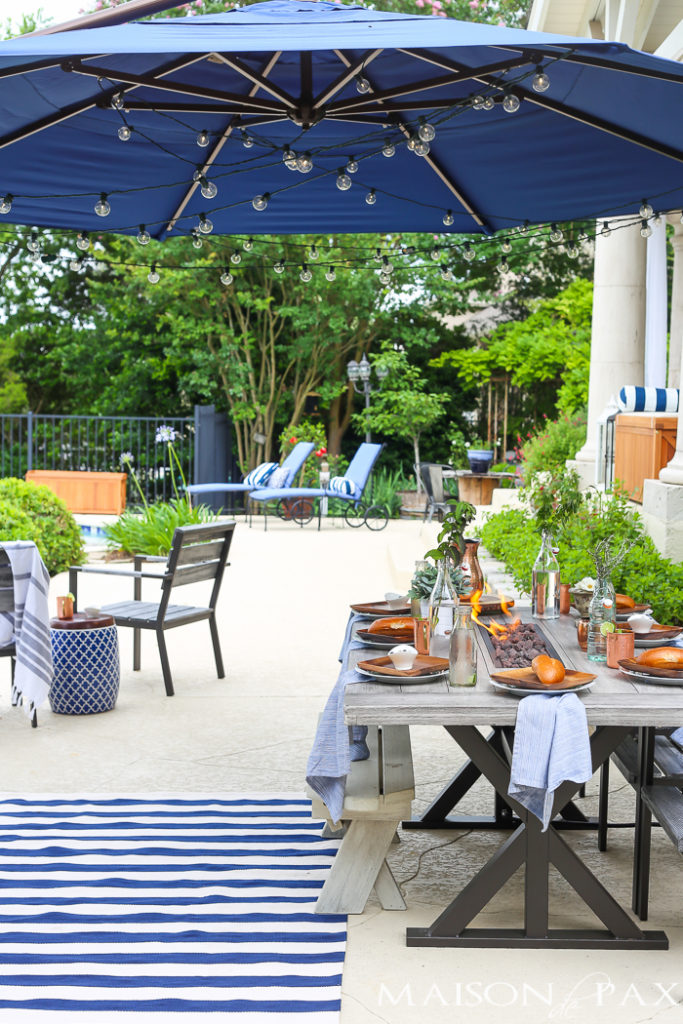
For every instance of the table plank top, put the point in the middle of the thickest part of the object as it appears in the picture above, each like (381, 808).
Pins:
(612, 700)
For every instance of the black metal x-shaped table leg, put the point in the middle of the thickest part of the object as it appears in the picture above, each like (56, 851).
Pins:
(536, 850)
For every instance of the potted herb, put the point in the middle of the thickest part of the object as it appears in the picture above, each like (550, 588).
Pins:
(451, 537)
(422, 584)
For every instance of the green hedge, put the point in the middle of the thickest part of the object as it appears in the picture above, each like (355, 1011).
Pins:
(644, 575)
(33, 512)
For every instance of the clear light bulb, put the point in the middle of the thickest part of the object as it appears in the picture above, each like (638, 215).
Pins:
(506, 245)
(331, 274)
(279, 267)
(468, 252)
(362, 84)
(572, 251)
(371, 197)
(477, 103)
(196, 240)
(247, 140)
(83, 241)
(489, 103)
(205, 225)
(436, 255)
(226, 277)
(352, 165)
(524, 228)
(645, 229)
(343, 181)
(387, 267)
(33, 245)
(645, 210)
(313, 253)
(236, 257)
(540, 82)
(555, 233)
(511, 103)
(248, 244)
(388, 149)
(304, 163)
(305, 274)
(208, 189)
(289, 159)
(426, 131)
(384, 279)
(203, 139)
(102, 207)
(75, 265)
(658, 219)
(448, 218)
(605, 230)
(6, 203)
(504, 266)
(260, 202)
(117, 101)
(144, 237)
(153, 276)
(124, 133)
(34, 257)
(446, 275)
(421, 148)
(410, 144)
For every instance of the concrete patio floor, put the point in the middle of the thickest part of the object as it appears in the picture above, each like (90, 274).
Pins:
(282, 611)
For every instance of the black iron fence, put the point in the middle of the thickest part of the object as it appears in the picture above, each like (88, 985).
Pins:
(102, 444)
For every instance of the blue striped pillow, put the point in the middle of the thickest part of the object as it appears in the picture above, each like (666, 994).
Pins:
(259, 477)
(342, 485)
(640, 399)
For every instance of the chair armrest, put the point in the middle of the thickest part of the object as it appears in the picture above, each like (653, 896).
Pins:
(120, 572)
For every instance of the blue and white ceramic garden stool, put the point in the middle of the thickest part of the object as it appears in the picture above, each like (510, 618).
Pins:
(85, 652)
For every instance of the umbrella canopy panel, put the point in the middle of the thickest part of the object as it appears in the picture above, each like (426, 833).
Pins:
(452, 125)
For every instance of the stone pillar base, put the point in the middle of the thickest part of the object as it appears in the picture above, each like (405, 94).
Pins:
(663, 517)
(586, 470)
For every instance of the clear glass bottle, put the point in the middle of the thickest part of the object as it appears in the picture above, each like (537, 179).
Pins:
(545, 582)
(462, 656)
(602, 609)
(442, 605)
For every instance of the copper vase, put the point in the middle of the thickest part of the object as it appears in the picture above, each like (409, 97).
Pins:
(471, 567)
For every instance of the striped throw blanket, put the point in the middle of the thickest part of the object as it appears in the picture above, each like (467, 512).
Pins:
(169, 907)
(30, 622)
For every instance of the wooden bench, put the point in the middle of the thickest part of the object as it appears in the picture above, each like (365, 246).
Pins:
(379, 794)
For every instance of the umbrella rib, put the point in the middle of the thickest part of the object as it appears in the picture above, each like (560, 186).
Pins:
(435, 166)
(351, 71)
(257, 79)
(597, 62)
(126, 77)
(79, 108)
(41, 65)
(234, 121)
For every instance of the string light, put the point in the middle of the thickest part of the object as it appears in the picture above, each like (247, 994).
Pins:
(410, 144)
(572, 251)
(448, 218)
(117, 101)
(196, 239)
(362, 85)
(478, 103)
(247, 140)
(6, 203)
(331, 274)
(124, 132)
(421, 148)
(208, 189)
(305, 274)
(510, 103)
(205, 225)
(555, 233)
(343, 180)
(352, 165)
(153, 276)
(83, 241)
(605, 230)
(289, 158)
(236, 257)
(540, 81)
(436, 255)
(226, 277)
(645, 211)
(76, 264)
(144, 237)
(261, 202)
(279, 267)
(203, 139)
(489, 103)
(504, 266)
(388, 149)
(524, 229)
(102, 206)
(313, 252)
(506, 245)
(33, 245)
(426, 131)
(658, 219)
(304, 163)
(384, 279)
(645, 229)
(387, 267)
(248, 244)
(468, 252)
(371, 197)
(446, 274)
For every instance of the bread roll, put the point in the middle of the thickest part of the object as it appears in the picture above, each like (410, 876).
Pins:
(662, 657)
(549, 670)
(391, 627)
(624, 602)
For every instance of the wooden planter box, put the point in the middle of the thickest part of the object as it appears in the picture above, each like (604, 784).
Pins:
(643, 444)
(82, 491)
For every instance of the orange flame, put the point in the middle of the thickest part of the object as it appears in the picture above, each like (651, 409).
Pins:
(504, 603)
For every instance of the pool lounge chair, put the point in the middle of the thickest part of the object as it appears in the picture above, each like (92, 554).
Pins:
(348, 488)
(260, 476)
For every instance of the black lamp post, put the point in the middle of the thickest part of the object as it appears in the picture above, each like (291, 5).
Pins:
(359, 375)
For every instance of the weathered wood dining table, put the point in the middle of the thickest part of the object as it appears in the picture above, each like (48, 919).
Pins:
(615, 707)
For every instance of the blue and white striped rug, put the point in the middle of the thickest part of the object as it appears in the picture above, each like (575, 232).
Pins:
(165, 907)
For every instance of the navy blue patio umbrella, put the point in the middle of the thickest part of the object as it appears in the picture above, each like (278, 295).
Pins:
(294, 116)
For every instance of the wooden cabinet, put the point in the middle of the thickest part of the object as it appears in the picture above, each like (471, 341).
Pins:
(643, 444)
(83, 491)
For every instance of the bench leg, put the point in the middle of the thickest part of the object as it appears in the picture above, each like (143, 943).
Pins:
(220, 671)
(388, 892)
(136, 649)
(356, 867)
(165, 666)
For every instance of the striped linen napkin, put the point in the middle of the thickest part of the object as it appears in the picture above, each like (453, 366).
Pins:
(552, 746)
(336, 745)
(30, 623)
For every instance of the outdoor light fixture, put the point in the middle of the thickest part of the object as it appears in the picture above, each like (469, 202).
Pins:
(6, 203)
(555, 233)
(313, 252)
(540, 81)
(343, 180)
(248, 244)
(289, 159)
(196, 239)
(352, 165)
(645, 229)
(33, 245)
(388, 149)
(306, 274)
(511, 103)
(144, 237)
(236, 257)
(446, 274)
(359, 375)
(304, 163)
(203, 138)
(102, 207)
(279, 267)
(506, 245)
(353, 371)
(124, 133)
(364, 368)
(247, 140)
(448, 218)
(260, 202)
(371, 197)
(331, 274)
(83, 241)
(605, 230)
(489, 103)
(226, 277)
(153, 276)
(421, 148)
(205, 225)
(426, 131)
(469, 252)
(208, 189)
(362, 85)
(645, 210)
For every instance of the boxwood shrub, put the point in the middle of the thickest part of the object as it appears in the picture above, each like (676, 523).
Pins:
(33, 512)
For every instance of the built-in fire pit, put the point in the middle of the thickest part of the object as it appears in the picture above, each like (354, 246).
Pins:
(513, 644)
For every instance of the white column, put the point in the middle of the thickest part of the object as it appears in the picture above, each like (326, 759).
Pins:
(655, 308)
(676, 326)
(618, 329)
(673, 473)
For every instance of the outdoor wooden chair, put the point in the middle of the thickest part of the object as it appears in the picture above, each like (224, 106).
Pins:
(197, 553)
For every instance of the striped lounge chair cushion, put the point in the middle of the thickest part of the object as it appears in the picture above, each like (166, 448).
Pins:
(258, 477)
(637, 399)
(342, 485)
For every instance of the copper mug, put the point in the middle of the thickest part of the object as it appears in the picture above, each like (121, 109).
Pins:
(565, 599)
(582, 633)
(421, 635)
(620, 644)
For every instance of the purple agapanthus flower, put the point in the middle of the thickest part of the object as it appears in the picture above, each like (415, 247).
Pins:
(165, 434)
(126, 458)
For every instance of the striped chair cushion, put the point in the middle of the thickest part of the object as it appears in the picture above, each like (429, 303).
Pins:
(281, 477)
(258, 477)
(638, 399)
(342, 485)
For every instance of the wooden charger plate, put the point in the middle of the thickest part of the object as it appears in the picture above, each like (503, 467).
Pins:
(623, 613)
(380, 608)
(424, 665)
(527, 677)
(651, 670)
(659, 632)
(386, 639)
(489, 605)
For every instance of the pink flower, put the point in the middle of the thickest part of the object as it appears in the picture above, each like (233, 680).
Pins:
(98, 5)
(419, 3)
(474, 4)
